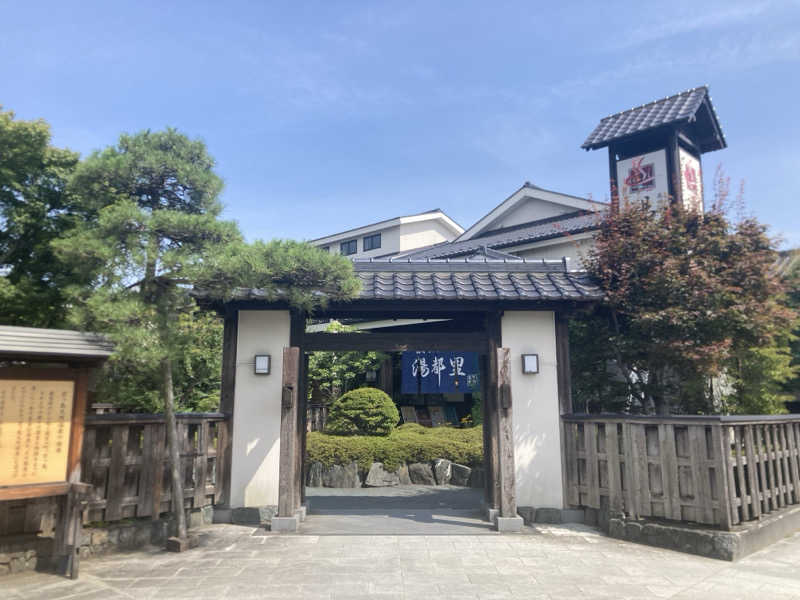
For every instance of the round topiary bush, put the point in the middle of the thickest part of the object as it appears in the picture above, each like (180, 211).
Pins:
(365, 411)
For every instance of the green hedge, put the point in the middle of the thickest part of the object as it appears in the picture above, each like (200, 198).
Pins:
(363, 411)
(408, 443)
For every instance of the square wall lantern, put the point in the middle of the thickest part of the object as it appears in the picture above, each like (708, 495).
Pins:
(263, 364)
(530, 364)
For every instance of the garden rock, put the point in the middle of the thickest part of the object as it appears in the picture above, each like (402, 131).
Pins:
(442, 470)
(402, 474)
(460, 474)
(338, 476)
(314, 478)
(421, 474)
(380, 477)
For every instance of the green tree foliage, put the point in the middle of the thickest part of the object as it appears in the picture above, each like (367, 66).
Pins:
(333, 373)
(155, 195)
(688, 298)
(157, 217)
(365, 411)
(282, 270)
(135, 385)
(35, 209)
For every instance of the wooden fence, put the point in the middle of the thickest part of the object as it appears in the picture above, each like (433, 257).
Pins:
(125, 458)
(713, 470)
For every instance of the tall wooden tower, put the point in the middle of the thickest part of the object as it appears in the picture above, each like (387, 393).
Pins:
(654, 150)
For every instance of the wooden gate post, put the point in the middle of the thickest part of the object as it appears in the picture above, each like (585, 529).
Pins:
(505, 437)
(491, 446)
(289, 442)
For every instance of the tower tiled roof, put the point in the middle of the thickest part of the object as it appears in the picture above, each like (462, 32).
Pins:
(686, 106)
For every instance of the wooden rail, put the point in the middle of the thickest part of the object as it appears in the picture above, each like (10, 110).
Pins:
(125, 459)
(713, 470)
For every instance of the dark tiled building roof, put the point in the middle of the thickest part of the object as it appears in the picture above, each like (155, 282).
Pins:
(523, 234)
(469, 279)
(460, 279)
(682, 107)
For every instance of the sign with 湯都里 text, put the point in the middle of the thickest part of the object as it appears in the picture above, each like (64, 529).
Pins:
(440, 372)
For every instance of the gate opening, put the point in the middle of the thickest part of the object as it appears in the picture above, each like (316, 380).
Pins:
(427, 474)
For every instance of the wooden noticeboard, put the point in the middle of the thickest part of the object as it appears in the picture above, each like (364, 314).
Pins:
(41, 435)
(41, 430)
(35, 424)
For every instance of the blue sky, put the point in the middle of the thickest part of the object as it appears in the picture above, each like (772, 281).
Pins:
(327, 115)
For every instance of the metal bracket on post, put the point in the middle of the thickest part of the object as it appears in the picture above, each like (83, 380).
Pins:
(287, 398)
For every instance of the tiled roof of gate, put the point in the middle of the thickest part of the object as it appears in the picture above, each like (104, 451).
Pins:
(673, 109)
(474, 278)
(471, 279)
(532, 232)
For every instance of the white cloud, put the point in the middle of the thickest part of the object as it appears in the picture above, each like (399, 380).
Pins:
(688, 21)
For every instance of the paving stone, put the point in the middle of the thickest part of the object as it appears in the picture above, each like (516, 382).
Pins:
(559, 561)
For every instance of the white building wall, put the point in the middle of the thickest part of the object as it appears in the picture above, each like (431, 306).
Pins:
(535, 413)
(574, 250)
(257, 408)
(423, 233)
(530, 209)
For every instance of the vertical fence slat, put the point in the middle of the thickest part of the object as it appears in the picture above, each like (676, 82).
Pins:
(669, 471)
(740, 474)
(116, 472)
(220, 462)
(592, 474)
(721, 459)
(766, 491)
(780, 433)
(777, 501)
(631, 474)
(571, 445)
(144, 507)
(641, 464)
(200, 465)
(703, 500)
(793, 461)
(615, 501)
(752, 474)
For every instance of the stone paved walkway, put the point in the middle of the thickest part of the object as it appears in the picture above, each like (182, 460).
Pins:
(545, 562)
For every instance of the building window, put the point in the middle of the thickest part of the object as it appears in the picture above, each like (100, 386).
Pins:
(371, 242)
(348, 247)
(326, 248)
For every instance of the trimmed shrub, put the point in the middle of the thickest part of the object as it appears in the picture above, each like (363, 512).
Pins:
(408, 443)
(365, 411)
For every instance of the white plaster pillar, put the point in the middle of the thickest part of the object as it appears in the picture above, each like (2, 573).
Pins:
(537, 425)
(257, 408)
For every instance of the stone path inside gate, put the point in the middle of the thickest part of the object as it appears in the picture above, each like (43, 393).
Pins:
(397, 510)
(545, 562)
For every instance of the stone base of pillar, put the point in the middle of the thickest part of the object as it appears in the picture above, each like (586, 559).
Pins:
(284, 524)
(509, 524)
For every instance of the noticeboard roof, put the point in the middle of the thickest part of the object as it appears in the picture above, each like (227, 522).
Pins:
(36, 343)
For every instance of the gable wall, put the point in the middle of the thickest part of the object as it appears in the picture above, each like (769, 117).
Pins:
(530, 209)
(574, 250)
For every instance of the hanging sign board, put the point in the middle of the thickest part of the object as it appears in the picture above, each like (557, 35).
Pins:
(35, 423)
(691, 181)
(643, 176)
(440, 372)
